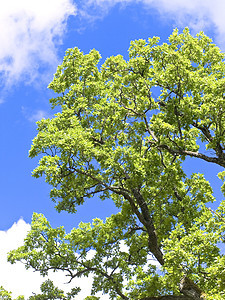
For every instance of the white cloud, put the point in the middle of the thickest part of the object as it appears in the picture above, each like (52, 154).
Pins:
(197, 14)
(18, 280)
(14, 277)
(34, 116)
(30, 32)
(38, 115)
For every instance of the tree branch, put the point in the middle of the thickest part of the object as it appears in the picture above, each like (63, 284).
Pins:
(143, 216)
(216, 160)
(149, 225)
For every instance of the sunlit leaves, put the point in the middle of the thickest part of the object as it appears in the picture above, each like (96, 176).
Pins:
(123, 132)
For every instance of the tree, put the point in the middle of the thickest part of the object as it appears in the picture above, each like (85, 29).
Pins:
(123, 132)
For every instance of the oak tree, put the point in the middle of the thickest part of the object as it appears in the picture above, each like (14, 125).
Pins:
(123, 132)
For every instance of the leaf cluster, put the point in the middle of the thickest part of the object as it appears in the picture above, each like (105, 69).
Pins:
(123, 132)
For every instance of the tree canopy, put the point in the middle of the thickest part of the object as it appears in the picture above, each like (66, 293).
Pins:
(123, 132)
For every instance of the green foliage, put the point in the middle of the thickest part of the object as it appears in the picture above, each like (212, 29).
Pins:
(123, 132)
(5, 295)
(50, 292)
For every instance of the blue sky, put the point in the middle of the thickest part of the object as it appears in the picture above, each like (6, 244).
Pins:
(33, 39)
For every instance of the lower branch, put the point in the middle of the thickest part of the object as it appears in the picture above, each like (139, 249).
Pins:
(150, 227)
(104, 274)
(214, 160)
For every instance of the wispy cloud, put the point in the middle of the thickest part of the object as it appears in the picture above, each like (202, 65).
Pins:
(19, 281)
(29, 35)
(34, 115)
(38, 115)
(197, 14)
